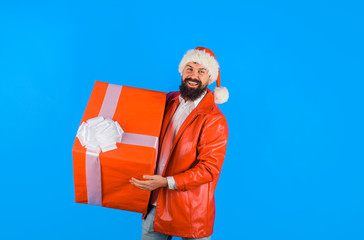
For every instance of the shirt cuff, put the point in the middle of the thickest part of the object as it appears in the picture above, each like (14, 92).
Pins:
(171, 183)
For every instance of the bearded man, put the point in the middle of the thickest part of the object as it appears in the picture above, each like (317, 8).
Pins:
(192, 150)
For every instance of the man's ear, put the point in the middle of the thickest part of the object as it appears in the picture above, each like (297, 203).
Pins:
(210, 81)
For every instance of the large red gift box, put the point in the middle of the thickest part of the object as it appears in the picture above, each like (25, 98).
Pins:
(102, 178)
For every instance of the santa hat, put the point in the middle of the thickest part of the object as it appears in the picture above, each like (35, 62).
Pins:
(206, 58)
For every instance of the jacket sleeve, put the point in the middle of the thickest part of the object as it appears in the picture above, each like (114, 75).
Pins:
(211, 150)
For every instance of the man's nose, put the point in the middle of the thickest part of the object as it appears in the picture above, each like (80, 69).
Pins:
(194, 75)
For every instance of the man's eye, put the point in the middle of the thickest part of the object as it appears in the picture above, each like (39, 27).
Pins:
(202, 72)
(189, 69)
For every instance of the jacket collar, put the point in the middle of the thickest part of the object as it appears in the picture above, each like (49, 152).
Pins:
(205, 106)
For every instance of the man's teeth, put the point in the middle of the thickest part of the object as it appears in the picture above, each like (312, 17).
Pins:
(192, 83)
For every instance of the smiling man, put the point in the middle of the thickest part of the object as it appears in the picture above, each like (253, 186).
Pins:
(195, 81)
(192, 150)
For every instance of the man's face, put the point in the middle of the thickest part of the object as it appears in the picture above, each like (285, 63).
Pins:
(195, 79)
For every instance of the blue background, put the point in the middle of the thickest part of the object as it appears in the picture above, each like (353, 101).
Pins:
(294, 69)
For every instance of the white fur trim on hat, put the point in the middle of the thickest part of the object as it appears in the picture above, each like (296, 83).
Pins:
(203, 58)
(221, 94)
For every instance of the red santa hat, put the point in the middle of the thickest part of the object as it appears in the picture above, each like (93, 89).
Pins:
(206, 58)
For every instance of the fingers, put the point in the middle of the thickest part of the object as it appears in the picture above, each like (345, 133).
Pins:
(140, 184)
(137, 181)
(149, 177)
(150, 184)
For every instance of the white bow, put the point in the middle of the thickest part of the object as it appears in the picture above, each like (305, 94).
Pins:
(100, 134)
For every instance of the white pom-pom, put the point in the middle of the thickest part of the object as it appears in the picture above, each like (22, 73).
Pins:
(221, 95)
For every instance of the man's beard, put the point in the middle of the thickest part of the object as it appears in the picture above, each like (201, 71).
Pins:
(191, 94)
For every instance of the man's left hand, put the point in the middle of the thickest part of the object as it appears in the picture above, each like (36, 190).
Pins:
(151, 183)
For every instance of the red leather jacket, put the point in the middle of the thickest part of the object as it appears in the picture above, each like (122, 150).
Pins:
(195, 163)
